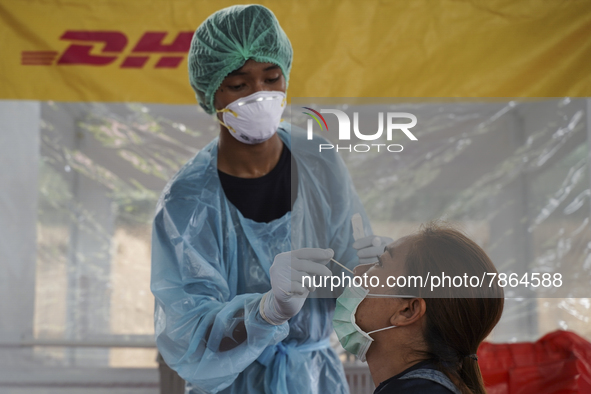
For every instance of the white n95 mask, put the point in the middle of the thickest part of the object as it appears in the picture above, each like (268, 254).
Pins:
(352, 338)
(254, 119)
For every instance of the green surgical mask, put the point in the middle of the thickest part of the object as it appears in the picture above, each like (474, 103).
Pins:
(352, 338)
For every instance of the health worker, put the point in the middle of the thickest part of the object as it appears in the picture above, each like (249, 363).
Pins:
(242, 222)
(415, 340)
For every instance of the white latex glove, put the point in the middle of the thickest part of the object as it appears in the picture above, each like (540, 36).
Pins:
(287, 294)
(370, 247)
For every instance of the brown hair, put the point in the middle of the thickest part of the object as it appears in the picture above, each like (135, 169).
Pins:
(458, 322)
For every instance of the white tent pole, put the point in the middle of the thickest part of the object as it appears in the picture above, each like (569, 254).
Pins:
(19, 163)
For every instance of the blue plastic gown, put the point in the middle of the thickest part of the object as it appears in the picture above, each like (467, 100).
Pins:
(210, 268)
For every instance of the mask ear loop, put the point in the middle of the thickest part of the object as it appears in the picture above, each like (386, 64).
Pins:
(283, 102)
(222, 123)
(227, 110)
(381, 329)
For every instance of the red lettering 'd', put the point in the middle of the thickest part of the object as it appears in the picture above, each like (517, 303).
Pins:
(113, 41)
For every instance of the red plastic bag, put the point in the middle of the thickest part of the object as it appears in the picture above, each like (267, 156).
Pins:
(558, 363)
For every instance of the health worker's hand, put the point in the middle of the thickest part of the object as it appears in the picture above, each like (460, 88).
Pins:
(288, 294)
(370, 247)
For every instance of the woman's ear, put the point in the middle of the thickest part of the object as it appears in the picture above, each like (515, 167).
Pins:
(408, 312)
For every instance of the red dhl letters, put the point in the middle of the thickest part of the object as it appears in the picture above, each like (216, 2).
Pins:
(113, 44)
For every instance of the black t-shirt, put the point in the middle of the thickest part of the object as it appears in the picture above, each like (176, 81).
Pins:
(265, 198)
(411, 386)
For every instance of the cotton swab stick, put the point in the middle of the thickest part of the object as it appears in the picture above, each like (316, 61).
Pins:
(343, 266)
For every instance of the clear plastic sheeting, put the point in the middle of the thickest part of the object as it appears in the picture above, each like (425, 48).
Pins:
(102, 168)
(515, 175)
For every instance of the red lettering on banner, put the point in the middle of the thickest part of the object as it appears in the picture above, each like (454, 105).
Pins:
(114, 41)
(169, 62)
(112, 44)
(134, 61)
(38, 58)
(151, 42)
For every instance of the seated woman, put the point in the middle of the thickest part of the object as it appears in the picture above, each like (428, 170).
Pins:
(422, 344)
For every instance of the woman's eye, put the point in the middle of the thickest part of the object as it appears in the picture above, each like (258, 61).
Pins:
(273, 80)
(236, 87)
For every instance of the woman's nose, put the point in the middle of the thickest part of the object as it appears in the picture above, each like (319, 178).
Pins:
(362, 268)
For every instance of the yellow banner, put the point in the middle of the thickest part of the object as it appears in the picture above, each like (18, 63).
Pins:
(135, 50)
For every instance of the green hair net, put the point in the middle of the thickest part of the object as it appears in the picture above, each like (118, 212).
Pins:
(227, 39)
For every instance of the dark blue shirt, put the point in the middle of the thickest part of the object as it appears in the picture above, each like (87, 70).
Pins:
(266, 198)
(395, 385)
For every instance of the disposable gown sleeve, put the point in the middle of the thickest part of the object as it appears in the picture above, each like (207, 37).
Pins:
(196, 307)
